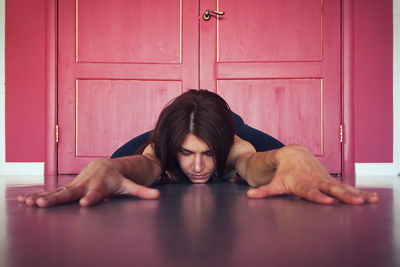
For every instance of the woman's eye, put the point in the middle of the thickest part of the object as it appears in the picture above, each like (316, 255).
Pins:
(185, 152)
(209, 153)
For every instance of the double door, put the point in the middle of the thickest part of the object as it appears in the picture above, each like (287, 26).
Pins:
(276, 62)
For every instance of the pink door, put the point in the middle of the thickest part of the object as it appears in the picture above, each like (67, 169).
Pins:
(120, 61)
(277, 63)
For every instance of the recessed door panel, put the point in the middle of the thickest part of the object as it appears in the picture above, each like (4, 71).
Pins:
(253, 31)
(112, 108)
(284, 107)
(128, 31)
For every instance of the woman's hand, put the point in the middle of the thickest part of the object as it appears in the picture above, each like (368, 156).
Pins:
(298, 172)
(99, 180)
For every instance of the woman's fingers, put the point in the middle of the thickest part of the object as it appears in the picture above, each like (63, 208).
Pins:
(30, 200)
(88, 194)
(61, 196)
(323, 192)
(371, 197)
(92, 197)
(129, 187)
(337, 190)
(97, 193)
(306, 191)
(311, 193)
(348, 193)
(267, 190)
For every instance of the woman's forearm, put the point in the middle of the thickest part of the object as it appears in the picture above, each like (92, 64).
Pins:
(257, 168)
(138, 168)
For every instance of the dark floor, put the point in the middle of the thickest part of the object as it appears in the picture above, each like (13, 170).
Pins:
(200, 225)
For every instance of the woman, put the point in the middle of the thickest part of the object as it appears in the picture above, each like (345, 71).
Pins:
(194, 140)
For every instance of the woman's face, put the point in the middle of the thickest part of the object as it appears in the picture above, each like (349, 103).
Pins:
(196, 159)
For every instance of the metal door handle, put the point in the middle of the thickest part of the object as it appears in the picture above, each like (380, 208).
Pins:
(207, 14)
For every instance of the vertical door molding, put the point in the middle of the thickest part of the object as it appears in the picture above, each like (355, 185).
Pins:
(50, 165)
(348, 158)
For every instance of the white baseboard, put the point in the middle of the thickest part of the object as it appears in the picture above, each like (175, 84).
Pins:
(377, 169)
(21, 168)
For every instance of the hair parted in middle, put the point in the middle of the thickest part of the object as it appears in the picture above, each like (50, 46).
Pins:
(202, 113)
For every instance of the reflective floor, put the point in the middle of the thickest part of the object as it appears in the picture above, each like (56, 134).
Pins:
(200, 225)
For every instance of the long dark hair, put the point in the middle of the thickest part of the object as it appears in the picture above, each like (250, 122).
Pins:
(202, 113)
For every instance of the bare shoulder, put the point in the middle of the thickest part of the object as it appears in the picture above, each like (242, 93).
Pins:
(240, 148)
(149, 153)
(149, 149)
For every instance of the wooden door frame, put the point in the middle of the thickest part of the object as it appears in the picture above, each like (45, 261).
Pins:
(348, 152)
(50, 164)
(347, 89)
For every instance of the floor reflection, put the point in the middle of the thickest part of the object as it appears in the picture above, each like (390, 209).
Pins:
(199, 225)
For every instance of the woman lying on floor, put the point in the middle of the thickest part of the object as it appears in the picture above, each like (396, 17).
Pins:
(198, 139)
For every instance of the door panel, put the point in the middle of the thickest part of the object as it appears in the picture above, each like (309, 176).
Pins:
(95, 99)
(277, 62)
(119, 62)
(127, 31)
(273, 30)
(285, 105)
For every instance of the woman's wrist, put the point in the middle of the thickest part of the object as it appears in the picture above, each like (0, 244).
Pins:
(290, 151)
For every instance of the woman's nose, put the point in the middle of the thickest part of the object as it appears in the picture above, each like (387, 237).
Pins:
(198, 164)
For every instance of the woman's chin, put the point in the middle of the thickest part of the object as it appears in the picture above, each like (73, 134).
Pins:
(199, 179)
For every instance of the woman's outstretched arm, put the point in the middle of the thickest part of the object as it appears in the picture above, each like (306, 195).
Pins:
(103, 178)
(292, 170)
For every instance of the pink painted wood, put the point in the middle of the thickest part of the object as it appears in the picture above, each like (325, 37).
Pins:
(50, 166)
(290, 74)
(119, 64)
(128, 31)
(283, 103)
(25, 80)
(278, 64)
(94, 121)
(373, 81)
(348, 158)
